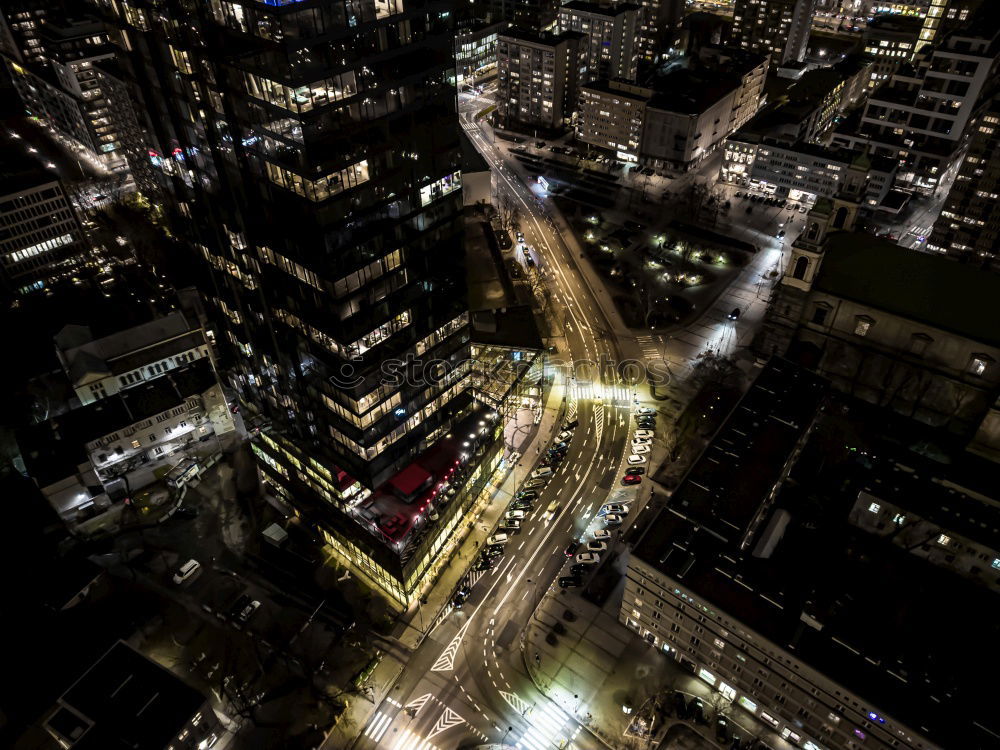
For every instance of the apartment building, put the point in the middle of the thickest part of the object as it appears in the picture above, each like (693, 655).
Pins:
(922, 115)
(803, 171)
(611, 45)
(891, 40)
(476, 50)
(778, 28)
(612, 115)
(538, 79)
(659, 27)
(311, 157)
(41, 240)
(752, 71)
(968, 227)
(765, 580)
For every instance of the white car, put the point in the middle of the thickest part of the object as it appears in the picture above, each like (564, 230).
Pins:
(641, 441)
(497, 538)
(600, 534)
(640, 449)
(644, 434)
(588, 558)
(596, 546)
(563, 437)
(186, 571)
(635, 460)
(643, 411)
(612, 519)
(514, 515)
(615, 509)
(543, 473)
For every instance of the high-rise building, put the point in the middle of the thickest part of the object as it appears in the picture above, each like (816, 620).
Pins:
(941, 16)
(891, 40)
(75, 87)
(311, 155)
(922, 115)
(538, 79)
(610, 49)
(969, 224)
(41, 240)
(532, 15)
(779, 28)
(659, 26)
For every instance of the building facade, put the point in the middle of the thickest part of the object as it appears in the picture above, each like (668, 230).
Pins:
(612, 114)
(891, 40)
(778, 28)
(476, 50)
(922, 115)
(41, 239)
(311, 157)
(968, 227)
(538, 80)
(611, 45)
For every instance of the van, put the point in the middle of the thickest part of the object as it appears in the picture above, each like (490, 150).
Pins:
(186, 571)
(543, 473)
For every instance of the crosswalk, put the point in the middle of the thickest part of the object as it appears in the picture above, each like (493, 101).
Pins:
(612, 392)
(376, 728)
(550, 728)
(409, 740)
(648, 347)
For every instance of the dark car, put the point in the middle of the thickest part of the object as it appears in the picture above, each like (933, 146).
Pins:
(734, 314)
(524, 505)
(631, 479)
(493, 550)
(239, 605)
(580, 569)
(526, 495)
(186, 511)
(568, 582)
(571, 548)
(460, 596)
(680, 704)
(484, 563)
(647, 423)
(572, 425)
(722, 729)
(696, 709)
(637, 470)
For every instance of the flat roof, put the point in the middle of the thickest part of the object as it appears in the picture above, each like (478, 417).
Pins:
(926, 288)
(691, 92)
(889, 626)
(599, 10)
(125, 700)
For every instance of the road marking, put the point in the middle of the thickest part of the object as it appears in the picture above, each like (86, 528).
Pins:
(418, 703)
(378, 726)
(446, 662)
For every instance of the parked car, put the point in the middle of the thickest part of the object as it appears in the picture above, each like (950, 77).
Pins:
(560, 446)
(493, 550)
(186, 512)
(635, 459)
(186, 571)
(601, 534)
(516, 515)
(596, 546)
(588, 558)
(248, 611)
(631, 479)
(569, 582)
(534, 484)
(572, 547)
(640, 449)
(648, 434)
(510, 526)
(498, 538)
(484, 563)
(641, 441)
(580, 569)
(680, 704)
(637, 471)
(647, 423)
(239, 605)
(564, 436)
(526, 495)
(460, 596)
(696, 710)
(614, 508)
(722, 729)
(611, 520)
(645, 411)
(734, 314)
(524, 505)
(544, 473)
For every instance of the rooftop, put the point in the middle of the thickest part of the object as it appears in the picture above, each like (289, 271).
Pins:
(540, 38)
(597, 9)
(124, 700)
(911, 284)
(691, 92)
(856, 607)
